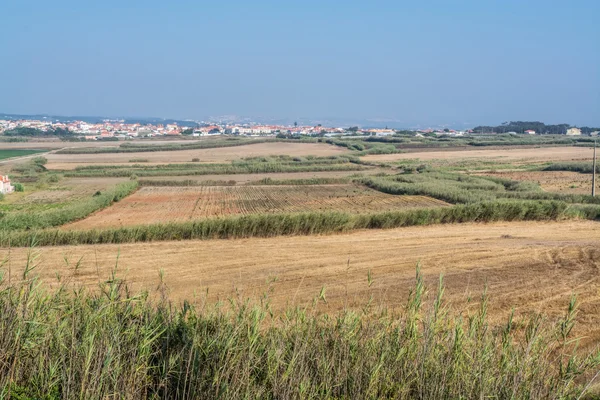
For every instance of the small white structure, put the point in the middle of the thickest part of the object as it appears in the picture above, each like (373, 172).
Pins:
(5, 186)
(574, 132)
(530, 132)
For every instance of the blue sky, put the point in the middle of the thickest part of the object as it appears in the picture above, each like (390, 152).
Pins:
(412, 63)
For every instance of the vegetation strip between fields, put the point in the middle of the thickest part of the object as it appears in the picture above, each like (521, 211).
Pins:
(290, 224)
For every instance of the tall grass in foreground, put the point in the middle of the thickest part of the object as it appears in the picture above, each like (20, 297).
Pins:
(75, 344)
(66, 214)
(268, 225)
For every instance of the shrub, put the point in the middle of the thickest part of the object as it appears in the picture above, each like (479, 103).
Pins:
(54, 178)
(40, 161)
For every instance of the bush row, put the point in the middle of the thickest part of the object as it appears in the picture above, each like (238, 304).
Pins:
(584, 167)
(208, 169)
(267, 225)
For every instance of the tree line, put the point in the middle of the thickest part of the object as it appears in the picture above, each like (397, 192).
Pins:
(538, 127)
(26, 131)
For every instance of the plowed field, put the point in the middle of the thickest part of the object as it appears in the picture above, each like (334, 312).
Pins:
(168, 204)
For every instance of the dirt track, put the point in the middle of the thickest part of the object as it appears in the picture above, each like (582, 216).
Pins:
(534, 266)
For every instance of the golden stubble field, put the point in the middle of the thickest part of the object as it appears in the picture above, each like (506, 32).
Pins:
(532, 266)
(175, 204)
(215, 155)
(506, 154)
(551, 181)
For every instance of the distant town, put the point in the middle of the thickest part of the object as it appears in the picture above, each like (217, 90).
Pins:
(121, 129)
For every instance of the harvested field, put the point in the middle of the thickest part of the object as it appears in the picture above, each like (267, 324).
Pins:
(174, 204)
(551, 181)
(214, 155)
(534, 266)
(500, 155)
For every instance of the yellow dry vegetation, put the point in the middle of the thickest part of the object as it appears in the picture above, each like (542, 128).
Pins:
(175, 204)
(532, 266)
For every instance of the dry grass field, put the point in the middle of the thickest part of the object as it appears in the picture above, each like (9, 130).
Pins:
(67, 190)
(171, 204)
(551, 181)
(506, 154)
(532, 266)
(214, 155)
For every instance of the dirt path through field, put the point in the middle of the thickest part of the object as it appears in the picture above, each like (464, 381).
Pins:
(534, 266)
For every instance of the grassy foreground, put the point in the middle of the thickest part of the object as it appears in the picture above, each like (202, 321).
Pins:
(268, 225)
(66, 344)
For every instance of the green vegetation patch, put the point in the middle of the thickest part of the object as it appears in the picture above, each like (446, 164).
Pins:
(584, 167)
(245, 166)
(61, 214)
(467, 189)
(270, 225)
(10, 153)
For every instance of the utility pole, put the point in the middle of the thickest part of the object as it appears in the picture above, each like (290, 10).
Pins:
(594, 172)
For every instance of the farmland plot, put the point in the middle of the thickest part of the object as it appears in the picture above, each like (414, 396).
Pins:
(175, 204)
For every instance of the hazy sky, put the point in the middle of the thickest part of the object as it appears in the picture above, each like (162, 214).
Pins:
(416, 62)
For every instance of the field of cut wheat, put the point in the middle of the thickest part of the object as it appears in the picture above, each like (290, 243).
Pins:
(175, 204)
